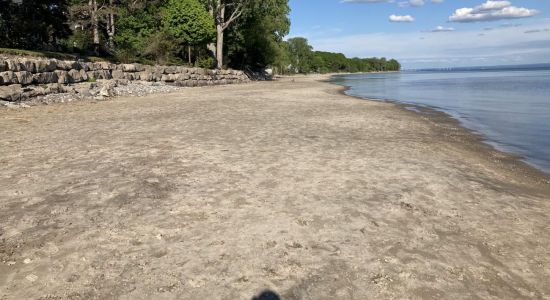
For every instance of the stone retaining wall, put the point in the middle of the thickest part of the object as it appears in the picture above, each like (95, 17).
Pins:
(23, 78)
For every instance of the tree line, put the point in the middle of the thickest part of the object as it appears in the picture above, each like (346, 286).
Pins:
(241, 34)
(299, 57)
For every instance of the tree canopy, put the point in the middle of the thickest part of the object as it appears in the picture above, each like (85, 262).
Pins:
(242, 34)
(299, 57)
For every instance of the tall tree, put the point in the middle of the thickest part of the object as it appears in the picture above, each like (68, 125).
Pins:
(225, 13)
(255, 41)
(300, 54)
(189, 22)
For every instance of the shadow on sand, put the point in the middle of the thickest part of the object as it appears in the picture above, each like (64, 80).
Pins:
(267, 295)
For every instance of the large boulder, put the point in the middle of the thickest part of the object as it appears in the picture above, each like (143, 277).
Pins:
(46, 77)
(86, 66)
(75, 76)
(8, 77)
(170, 70)
(117, 74)
(11, 93)
(145, 76)
(27, 65)
(46, 65)
(24, 77)
(129, 68)
(83, 75)
(100, 74)
(62, 76)
(67, 65)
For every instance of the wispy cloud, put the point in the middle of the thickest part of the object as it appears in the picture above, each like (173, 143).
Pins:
(401, 19)
(442, 29)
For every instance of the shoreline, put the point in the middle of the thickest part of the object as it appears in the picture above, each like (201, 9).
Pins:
(508, 160)
(287, 185)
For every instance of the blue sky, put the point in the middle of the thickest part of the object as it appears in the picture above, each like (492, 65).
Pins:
(428, 33)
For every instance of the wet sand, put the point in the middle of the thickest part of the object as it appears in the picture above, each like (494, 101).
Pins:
(290, 186)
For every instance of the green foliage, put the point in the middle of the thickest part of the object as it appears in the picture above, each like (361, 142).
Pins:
(301, 54)
(256, 40)
(79, 41)
(135, 29)
(300, 58)
(33, 24)
(188, 22)
(160, 47)
(206, 62)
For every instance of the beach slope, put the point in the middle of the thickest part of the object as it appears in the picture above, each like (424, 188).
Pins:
(222, 192)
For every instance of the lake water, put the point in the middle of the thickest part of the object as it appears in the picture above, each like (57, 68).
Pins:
(509, 107)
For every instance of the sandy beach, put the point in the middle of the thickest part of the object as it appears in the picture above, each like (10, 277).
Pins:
(290, 186)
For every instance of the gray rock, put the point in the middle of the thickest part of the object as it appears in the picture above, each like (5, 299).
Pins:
(170, 70)
(3, 65)
(139, 67)
(117, 74)
(24, 77)
(27, 65)
(83, 75)
(145, 76)
(86, 66)
(46, 65)
(68, 65)
(13, 65)
(106, 65)
(8, 77)
(75, 76)
(129, 68)
(11, 92)
(47, 77)
(62, 76)
(53, 88)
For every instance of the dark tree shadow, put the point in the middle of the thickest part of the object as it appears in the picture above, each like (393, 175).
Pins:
(267, 295)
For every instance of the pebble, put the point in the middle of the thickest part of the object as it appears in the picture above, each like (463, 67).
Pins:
(27, 261)
(31, 277)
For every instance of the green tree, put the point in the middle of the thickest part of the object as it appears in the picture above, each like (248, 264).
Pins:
(255, 41)
(31, 24)
(300, 54)
(189, 22)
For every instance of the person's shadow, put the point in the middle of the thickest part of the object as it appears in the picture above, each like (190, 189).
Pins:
(267, 295)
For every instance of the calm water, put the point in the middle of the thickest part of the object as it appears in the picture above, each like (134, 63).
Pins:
(510, 108)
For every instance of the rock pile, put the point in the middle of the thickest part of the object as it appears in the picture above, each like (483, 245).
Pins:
(25, 78)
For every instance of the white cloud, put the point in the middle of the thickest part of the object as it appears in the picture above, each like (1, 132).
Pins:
(413, 3)
(401, 19)
(442, 29)
(491, 11)
(416, 2)
(437, 1)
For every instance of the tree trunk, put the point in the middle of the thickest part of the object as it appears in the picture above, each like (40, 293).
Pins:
(219, 47)
(211, 46)
(219, 38)
(95, 25)
(189, 53)
(111, 25)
